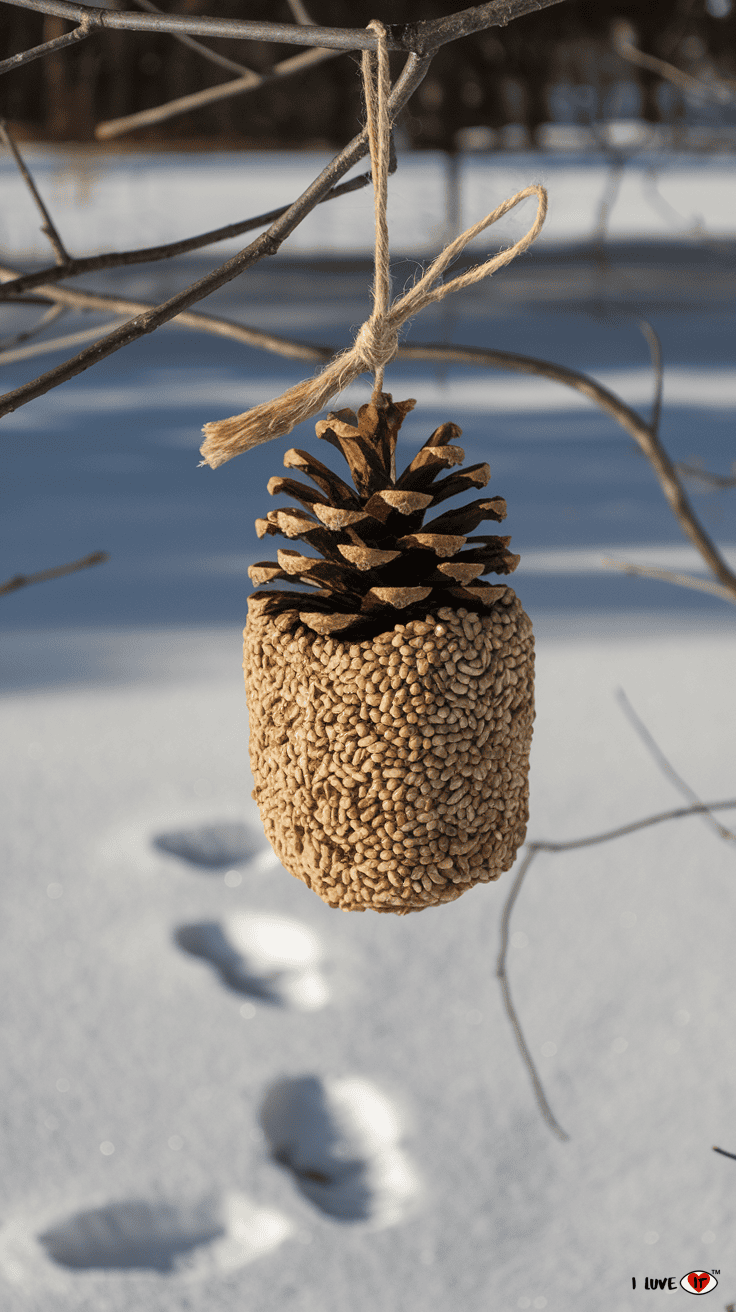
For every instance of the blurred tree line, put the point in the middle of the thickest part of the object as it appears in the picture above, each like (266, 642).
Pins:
(555, 65)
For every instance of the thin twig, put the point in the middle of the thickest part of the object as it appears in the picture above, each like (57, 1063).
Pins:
(48, 317)
(12, 353)
(220, 61)
(48, 227)
(709, 482)
(667, 768)
(149, 254)
(23, 580)
(655, 351)
(85, 29)
(502, 976)
(419, 39)
(622, 38)
(723, 1153)
(633, 828)
(249, 81)
(671, 576)
(256, 337)
(632, 422)
(267, 244)
(299, 12)
(531, 850)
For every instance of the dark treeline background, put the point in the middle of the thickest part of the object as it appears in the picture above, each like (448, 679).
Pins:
(558, 65)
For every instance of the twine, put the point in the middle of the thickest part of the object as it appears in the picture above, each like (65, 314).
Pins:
(377, 341)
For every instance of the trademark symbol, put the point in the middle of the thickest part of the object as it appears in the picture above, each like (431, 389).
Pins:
(715, 1270)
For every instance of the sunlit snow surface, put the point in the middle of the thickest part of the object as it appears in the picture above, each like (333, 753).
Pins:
(217, 1092)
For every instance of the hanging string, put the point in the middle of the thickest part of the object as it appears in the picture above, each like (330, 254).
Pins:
(379, 343)
(378, 340)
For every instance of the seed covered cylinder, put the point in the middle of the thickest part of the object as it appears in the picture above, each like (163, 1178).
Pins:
(391, 773)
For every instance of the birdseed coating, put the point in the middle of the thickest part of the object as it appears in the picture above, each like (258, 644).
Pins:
(392, 773)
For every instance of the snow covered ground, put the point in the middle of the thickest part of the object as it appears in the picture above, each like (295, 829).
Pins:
(106, 204)
(219, 1094)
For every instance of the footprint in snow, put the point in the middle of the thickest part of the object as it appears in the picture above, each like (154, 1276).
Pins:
(189, 1240)
(264, 956)
(340, 1140)
(213, 846)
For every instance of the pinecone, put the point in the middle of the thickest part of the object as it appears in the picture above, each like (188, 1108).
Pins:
(378, 554)
(390, 758)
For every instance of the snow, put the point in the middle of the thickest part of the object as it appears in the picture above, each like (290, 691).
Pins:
(104, 202)
(217, 1092)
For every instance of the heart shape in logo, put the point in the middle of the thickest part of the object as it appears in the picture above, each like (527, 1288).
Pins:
(699, 1280)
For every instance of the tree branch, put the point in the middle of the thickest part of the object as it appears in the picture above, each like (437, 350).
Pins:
(501, 971)
(47, 227)
(23, 580)
(85, 29)
(50, 316)
(220, 61)
(503, 981)
(149, 254)
(632, 422)
(709, 482)
(267, 244)
(665, 766)
(411, 38)
(255, 337)
(116, 127)
(623, 41)
(670, 576)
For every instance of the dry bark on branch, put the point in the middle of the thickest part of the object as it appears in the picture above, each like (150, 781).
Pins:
(421, 39)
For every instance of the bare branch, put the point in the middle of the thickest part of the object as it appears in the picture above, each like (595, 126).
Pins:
(48, 317)
(502, 977)
(426, 37)
(267, 244)
(623, 40)
(116, 127)
(678, 814)
(655, 351)
(412, 38)
(47, 227)
(255, 337)
(701, 808)
(299, 12)
(149, 254)
(23, 580)
(85, 29)
(220, 61)
(665, 766)
(723, 1152)
(708, 482)
(12, 353)
(628, 419)
(670, 576)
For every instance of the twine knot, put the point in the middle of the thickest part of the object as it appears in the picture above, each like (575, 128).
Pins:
(377, 342)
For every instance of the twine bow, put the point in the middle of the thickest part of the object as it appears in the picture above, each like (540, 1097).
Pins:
(377, 341)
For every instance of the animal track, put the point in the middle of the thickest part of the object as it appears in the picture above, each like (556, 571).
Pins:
(339, 1139)
(191, 1240)
(263, 956)
(213, 846)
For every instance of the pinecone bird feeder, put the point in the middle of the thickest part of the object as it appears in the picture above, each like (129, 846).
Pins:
(390, 710)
